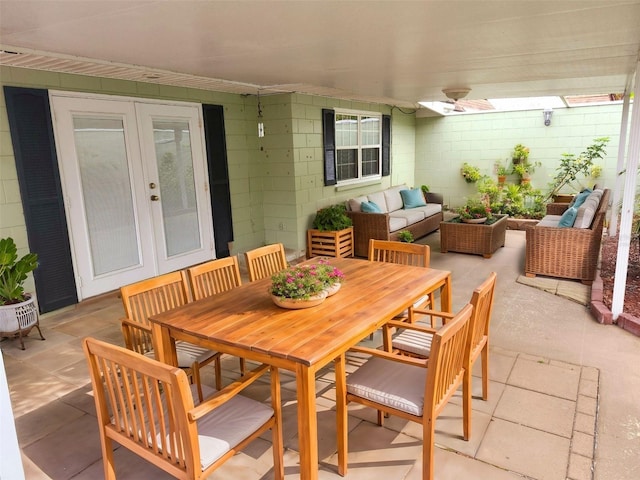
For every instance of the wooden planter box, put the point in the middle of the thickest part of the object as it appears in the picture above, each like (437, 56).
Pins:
(330, 244)
(478, 239)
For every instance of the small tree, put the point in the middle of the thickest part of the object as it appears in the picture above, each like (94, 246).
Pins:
(571, 166)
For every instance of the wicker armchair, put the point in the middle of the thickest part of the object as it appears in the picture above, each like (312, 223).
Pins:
(566, 252)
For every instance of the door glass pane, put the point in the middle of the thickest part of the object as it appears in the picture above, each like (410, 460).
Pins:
(106, 192)
(177, 187)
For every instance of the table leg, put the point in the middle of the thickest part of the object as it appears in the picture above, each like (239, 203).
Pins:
(307, 422)
(341, 413)
(446, 302)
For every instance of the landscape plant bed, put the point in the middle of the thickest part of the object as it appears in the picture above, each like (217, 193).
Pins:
(478, 239)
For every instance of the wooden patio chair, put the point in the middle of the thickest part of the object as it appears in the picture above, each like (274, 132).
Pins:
(215, 277)
(417, 341)
(149, 408)
(419, 392)
(404, 254)
(156, 295)
(264, 261)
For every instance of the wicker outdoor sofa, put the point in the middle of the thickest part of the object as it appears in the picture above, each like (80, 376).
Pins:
(569, 252)
(395, 216)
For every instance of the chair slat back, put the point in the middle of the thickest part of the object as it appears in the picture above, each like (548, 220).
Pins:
(482, 301)
(447, 361)
(142, 404)
(399, 252)
(265, 261)
(214, 277)
(146, 298)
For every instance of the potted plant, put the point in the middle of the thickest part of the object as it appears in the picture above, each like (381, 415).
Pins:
(405, 236)
(502, 171)
(18, 313)
(520, 154)
(304, 286)
(571, 167)
(332, 233)
(524, 170)
(475, 211)
(470, 173)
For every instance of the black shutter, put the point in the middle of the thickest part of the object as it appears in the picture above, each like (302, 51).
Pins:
(386, 145)
(329, 143)
(39, 179)
(218, 178)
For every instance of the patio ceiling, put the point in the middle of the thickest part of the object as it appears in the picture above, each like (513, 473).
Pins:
(392, 52)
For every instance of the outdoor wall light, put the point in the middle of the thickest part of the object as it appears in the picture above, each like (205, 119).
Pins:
(547, 116)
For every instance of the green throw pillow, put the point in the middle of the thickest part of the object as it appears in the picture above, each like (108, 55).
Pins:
(370, 207)
(568, 217)
(412, 198)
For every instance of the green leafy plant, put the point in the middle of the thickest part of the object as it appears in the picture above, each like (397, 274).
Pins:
(502, 169)
(13, 272)
(425, 189)
(332, 218)
(572, 167)
(520, 154)
(405, 236)
(470, 173)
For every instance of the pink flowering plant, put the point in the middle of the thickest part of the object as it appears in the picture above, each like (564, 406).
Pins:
(475, 209)
(304, 281)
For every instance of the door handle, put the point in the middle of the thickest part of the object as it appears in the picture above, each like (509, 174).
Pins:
(155, 198)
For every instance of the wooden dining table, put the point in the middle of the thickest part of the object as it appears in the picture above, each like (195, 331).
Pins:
(246, 323)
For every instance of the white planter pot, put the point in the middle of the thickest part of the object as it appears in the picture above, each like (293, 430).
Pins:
(19, 318)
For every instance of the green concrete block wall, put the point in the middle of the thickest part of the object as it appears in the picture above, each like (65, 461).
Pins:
(443, 144)
(276, 182)
(241, 138)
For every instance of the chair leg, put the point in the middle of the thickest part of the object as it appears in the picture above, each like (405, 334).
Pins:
(466, 403)
(195, 368)
(341, 414)
(243, 368)
(218, 369)
(428, 440)
(485, 371)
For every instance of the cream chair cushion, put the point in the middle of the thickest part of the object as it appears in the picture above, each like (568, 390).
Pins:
(390, 383)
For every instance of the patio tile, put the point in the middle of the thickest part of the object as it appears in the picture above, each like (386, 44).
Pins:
(379, 453)
(500, 366)
(67, 452)
(538, 454)
(453, 466)
(537, 410)
(561, 381)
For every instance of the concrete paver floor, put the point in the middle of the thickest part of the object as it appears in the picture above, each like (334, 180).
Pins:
(563, 401)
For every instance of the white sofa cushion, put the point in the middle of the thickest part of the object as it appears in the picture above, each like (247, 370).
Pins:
(411, 216)
(586, 212)
(549, 221)
(429, 209)
(354, 203)
(397, 223)
(393, 197)
(379, 199)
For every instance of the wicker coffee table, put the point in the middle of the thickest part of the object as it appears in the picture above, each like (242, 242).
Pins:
(478, 239)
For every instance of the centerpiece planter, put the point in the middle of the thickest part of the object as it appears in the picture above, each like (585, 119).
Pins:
(305, 285)
(478, 239)
(297, 303)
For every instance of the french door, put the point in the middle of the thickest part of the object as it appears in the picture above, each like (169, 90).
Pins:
(134, 181)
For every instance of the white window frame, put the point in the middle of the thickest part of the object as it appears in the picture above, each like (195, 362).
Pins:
(359, 147)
